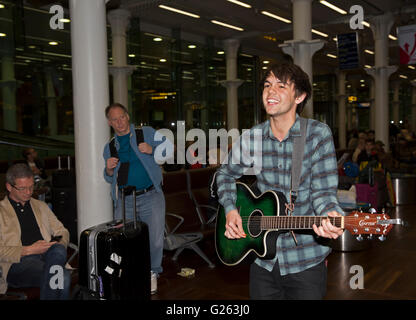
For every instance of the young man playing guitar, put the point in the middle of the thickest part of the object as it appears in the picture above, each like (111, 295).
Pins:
(298, 269)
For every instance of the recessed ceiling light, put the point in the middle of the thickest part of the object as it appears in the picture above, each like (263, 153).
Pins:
(162, 60)
(411, 67)
(65, 20)
(178, 11)
(220, 52)
(369, 51)
(227, 25)
(274, 16)
(266, 61)
(319, 33)
(240, 3)
(132, 55)
(157, 39)
(192, 46)
(403, 76)
(391, 37)
(1, 6)
(2, 34)
(331, 56)
(333, 7)
(53, 43)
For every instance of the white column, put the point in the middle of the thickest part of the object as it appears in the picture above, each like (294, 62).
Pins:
(373, 105)
(396, 103)
(302, 48)
(232, 83)
(51, 100)
(342, 136)
(381, 25)
(91, 96)
(119, 20)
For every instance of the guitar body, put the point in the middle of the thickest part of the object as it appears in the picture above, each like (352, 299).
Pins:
(258, 243)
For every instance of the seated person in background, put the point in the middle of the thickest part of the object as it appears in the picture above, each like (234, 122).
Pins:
(362, 137)
(29, 257)
(385, 158)
(369, 153)
(34, 163)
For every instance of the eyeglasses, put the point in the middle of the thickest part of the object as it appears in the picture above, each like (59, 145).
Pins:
(30, 188)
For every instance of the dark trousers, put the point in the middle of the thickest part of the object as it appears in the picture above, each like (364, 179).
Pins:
(309, 284)
(40, 270)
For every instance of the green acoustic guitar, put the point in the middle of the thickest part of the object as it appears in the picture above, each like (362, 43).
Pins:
(264, 218)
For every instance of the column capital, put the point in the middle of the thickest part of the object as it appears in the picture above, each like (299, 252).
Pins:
(119, 20)
(231, 83)
(231, 47)
(124, 70)
(376, 71)
(381, 25)
(291, 46)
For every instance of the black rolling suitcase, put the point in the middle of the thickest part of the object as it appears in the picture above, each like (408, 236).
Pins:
(114, 259)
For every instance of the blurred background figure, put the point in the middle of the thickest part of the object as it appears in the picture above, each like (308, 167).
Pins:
(35, 163)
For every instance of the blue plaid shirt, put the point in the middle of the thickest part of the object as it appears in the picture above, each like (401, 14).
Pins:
(317, 193)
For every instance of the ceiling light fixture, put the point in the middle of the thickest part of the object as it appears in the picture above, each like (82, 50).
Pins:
(271, 15)
(331, 55)
(368, 51)
(245, 5)
(2, 34)
(391, 37)
(157, 39)
(192, 46)
(227, 25)
(320, 33)
(365, 23)
(333, 7)
(179, 11)
(53, 43)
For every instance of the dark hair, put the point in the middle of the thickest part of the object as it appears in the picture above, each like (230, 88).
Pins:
(289, 72)
(115, 105)
(17, 171)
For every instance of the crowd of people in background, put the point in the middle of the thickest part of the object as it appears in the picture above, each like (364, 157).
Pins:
(364, 148)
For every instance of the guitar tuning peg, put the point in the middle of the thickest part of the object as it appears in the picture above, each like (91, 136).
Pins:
(383, 211)
(360, 237)
(372, 210)
(382, 237)
(370, 237)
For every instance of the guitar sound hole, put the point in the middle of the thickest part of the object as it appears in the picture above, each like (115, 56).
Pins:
(253, 224)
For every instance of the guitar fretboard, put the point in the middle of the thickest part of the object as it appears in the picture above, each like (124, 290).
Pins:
(296, 222)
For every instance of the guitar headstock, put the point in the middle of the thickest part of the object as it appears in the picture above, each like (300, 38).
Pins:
(359, 223)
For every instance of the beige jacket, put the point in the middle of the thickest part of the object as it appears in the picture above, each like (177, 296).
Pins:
(10, 233)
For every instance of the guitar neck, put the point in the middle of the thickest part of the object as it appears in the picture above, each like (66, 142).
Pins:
(297, 222)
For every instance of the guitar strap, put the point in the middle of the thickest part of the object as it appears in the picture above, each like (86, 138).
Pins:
(297, 158)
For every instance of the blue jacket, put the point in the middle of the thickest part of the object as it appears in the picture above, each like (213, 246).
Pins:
(148, 161)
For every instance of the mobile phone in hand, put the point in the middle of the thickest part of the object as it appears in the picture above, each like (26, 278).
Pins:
(56, 238)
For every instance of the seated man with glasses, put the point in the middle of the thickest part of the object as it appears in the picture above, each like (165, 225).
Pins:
(32, 240)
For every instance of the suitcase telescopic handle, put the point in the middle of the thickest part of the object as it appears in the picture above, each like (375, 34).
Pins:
(128, 190)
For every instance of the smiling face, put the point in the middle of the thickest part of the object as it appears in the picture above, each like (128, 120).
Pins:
(279, 98)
